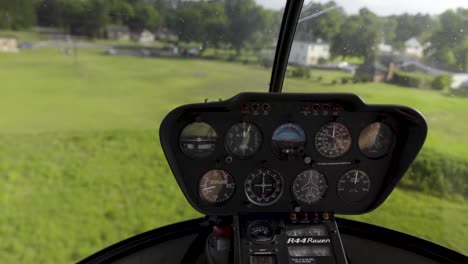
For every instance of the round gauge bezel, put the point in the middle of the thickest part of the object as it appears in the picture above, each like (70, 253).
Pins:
(242, 157)
(280, 194)
(293, 193)
(260, 223)
(348, 150)
(390, 146)
(194, 157)
(344, 175)
(277, 150)
(208, 202)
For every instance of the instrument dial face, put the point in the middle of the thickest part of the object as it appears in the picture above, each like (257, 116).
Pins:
(375, 140)
(309, 186)
(288, 139)
(216, 187)
(333, 140)
(261, 232)
(263, 187)
(198, 140)
(243, 140)
(354, 186)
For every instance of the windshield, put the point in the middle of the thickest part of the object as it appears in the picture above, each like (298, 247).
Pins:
(85, 84)
(411, 53)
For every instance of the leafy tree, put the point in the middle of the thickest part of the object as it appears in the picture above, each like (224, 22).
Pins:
(18, 14)
(450, 41)
(244, 20)
(325, 26)
(49, 13)
(120, 12)
(145, 17)
(358, 36)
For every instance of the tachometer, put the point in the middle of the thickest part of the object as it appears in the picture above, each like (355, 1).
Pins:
(333, 140)
(288, 139)
(309, 186)
(216, 186)
(354, 186)
(263, 187)
(375, 140)
(198, 140)
(243, 140)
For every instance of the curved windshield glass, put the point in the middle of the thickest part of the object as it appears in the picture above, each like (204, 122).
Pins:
(411, 53)
(84, 86)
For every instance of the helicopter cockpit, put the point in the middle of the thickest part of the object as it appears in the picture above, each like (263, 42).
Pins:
(270, 171)
(283, 164)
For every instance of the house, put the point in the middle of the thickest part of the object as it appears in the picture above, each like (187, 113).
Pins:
(309, 53)
(166, 34)
(120, 33)
(385, 48)
(142, 36)
(414, 48)
(8, 44)
(373, 71)
(459, 81)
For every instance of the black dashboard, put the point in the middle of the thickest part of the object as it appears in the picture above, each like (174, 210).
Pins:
(259, 152)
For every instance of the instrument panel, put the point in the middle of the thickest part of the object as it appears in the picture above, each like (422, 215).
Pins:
(261, 152)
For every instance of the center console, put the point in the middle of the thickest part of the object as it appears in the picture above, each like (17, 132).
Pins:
(294, 238)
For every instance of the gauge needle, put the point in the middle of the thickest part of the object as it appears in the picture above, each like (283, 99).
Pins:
(334, 125)
(209, 188)
(245, 137)
(355, 177)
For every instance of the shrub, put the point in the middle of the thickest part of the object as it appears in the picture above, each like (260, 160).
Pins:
(416, 80)
(300, 72)
(438, 176)
(442, 82)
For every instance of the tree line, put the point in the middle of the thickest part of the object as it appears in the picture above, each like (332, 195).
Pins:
(239, 24)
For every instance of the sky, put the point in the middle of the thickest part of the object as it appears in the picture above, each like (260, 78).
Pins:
(385, 7)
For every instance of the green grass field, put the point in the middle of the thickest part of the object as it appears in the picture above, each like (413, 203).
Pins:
(81, 167)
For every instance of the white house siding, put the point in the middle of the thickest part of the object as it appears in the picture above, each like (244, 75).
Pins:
(306, 54)
(460, 81)
(8, 44)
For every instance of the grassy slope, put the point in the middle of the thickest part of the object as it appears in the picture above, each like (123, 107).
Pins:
(81, 166)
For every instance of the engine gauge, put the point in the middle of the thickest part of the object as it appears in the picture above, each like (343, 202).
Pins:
(333, 140)
(263, 187)
(260, 232)
(375, 140)
(288, 139)
(243, 140)
(354, 186)
(198, 140)
(216, 187)
(309, 186)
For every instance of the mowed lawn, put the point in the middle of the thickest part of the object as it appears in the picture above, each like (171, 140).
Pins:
(81, 166)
